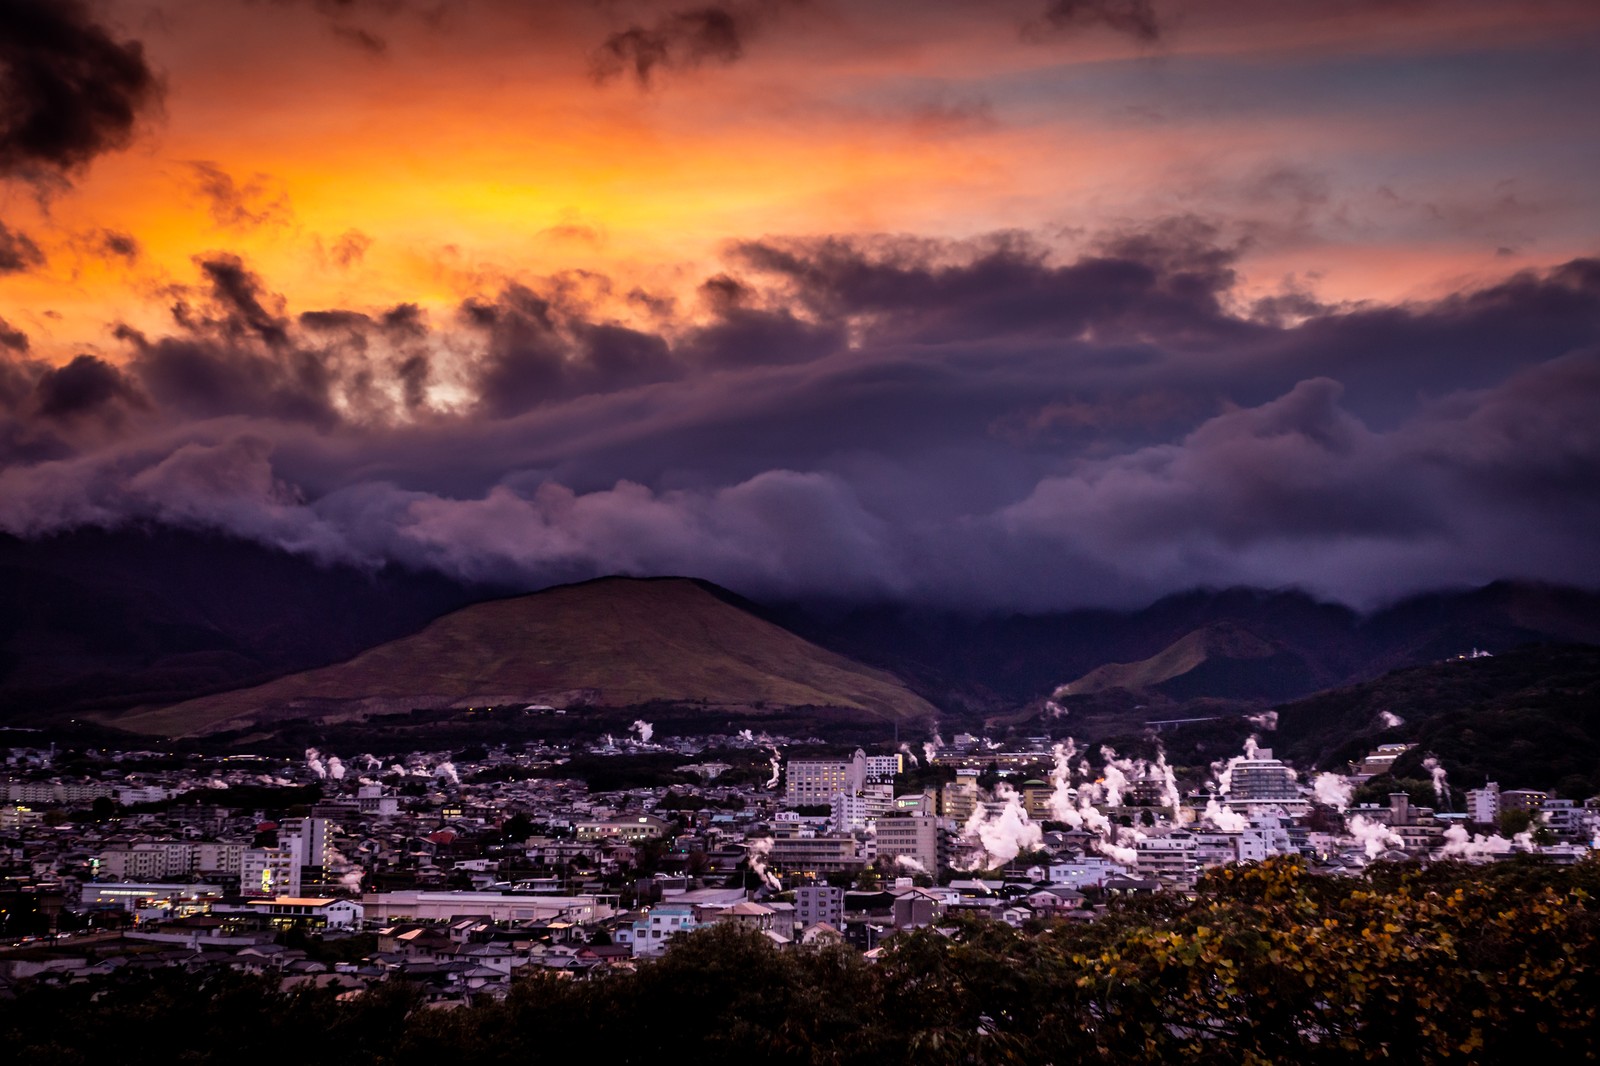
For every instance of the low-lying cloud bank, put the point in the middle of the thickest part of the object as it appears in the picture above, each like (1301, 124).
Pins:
(974, 423)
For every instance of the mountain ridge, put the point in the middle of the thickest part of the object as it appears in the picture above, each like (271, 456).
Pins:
(606, 642)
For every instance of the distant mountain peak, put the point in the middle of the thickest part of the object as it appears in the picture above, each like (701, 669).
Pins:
(614, 641)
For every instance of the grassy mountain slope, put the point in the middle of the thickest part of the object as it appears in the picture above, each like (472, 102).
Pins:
(1218, 659)
(611, 642)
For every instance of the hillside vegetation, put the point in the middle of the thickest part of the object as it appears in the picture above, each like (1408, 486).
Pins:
(1525, 718)
(615, 642)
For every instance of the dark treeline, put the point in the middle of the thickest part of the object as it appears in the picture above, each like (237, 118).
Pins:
(1268, 965)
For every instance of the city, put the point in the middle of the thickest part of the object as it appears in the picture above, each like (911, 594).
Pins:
(458, 870)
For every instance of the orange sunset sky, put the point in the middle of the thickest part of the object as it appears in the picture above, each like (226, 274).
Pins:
(1010, 304)
(366, 154)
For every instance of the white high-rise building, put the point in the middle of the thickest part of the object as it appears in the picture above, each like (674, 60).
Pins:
(272, 871)
(852, 813)
(813, 782)
(1483, 804)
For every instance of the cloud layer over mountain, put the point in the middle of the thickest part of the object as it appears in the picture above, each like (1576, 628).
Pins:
(974, 422)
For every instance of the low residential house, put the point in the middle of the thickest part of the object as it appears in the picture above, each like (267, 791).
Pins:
(1054, 900)
(659, 925)
(918, 908)
(820, 933)
(496, 957)
(265, 958)
(748, 915)
(1016, 915)
(608, 956)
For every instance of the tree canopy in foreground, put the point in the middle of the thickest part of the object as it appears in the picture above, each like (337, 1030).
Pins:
(1268, 964)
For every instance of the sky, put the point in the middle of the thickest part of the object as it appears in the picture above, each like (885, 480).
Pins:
(1007, 305)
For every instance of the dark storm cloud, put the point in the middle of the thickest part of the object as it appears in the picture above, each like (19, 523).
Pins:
(980, 422)
(12, 339)
(242, 300)
(84, 385)
(542, 348)
(18, 253)
(1136, 18)
(116, 244)
(239, 205)
(682, 40)
(405, 320)
(1163, 281)
(69, 91)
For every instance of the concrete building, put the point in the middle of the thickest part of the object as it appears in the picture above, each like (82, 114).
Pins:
(374, 802)
(798, 850)
(1169, 859)
(1262, 778)
(659, 925)
(915, 836)
(1379, 761)
(1085, 871)
(153, 861)
(630, 829)
(271, 871)
(881, 769)
(386, 908)
(1523, 799)
(818, 903)
(179, 899)
(813, 782)
(852, 813)
(1483, 804)
(959, 799)
(311, 913)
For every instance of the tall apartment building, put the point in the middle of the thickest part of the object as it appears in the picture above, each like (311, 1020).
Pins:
(915, 836)
(818, 903)
(881, 769)
(316, 848)
(852, 813)
(1262, 778)
(272, 871)
(222, 858)
(813, 782)
(1483, 804)
(141, 862)
(959, 799)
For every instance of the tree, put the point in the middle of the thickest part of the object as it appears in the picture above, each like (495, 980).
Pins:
(517, 828)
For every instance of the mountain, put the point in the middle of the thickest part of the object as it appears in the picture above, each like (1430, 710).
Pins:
(102, 620)
(1221, 659)
(1238, 644)
(1528, 718)
(613, 642)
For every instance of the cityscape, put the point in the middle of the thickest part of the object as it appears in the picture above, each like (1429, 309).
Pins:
(463, 863)
(814, 532)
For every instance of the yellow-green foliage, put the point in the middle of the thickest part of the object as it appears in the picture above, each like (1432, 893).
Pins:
(1268, 965)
